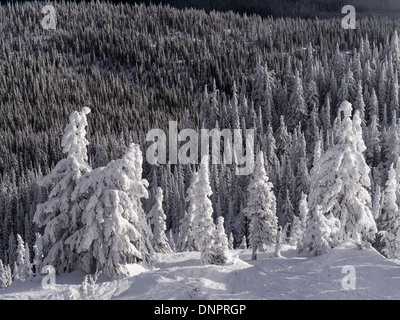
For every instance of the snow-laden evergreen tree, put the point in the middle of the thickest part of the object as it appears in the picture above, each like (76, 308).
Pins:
(311, 94)
(302, 179)
(373, 107)
(203, 225)
(234, 106)
(28, 265)
(352, 84)
(373, 143)
(220, 250)
(377, 202)
(296, 232)
(303, 219)
(261, 208)
(257, 94)
(157, 219)
(395, 47)
(286, 213)
(359, 103)
(278, 242)
(390, 218)
(394, 94)
(55, 215)
(186, 240)
(297, 107)
(392, 143)
(322, 232)
(12, 250)
(326, 114)
(262, 94)
(283, 139)
(37, 260)
(272, 161)
(22, 270)
(312, 129)
(5, 275)
(243, 243)
(114, 229)
(340, 180)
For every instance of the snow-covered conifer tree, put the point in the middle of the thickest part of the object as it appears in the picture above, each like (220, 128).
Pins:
(5, 275)
(390, 217)
(12, 250)
(157, 218)
(114, 228)
(56, 214)
(273, 165)
(21, 272)
(303, 217)
(373, 143)
(359, 103)
(321, 232)
(220, 246)
(37, 260)
(286, 212)
(326, 114)
(340, 180)
(28, 264)
(261, 208)
(297, 108)
(185, 238)
(373, 104)
(243, 244)
(394, 94)
(283, 139)
(392, 143)
(186, 241)
(203, 225)
(377, 201)
(296, 232)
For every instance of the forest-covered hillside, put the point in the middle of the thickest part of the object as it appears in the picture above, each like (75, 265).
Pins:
(137, 67)
(287, 8)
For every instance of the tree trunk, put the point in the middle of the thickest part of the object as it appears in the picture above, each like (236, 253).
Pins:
(254, 255)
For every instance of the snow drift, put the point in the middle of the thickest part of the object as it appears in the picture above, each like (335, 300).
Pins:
(183, 276)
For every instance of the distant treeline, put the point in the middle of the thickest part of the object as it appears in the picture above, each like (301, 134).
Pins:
(274, 8)
(282, 8)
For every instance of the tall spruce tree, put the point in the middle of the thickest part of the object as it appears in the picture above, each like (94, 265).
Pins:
(56, 215)
(340, 180)
(114, 232)
(261, 208)
(157, 220)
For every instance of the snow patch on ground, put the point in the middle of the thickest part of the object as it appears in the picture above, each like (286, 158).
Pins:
(182, 276)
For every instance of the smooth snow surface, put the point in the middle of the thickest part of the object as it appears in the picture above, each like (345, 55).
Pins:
(182, 276)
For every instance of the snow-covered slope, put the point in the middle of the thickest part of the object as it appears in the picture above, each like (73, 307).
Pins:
(182, 276)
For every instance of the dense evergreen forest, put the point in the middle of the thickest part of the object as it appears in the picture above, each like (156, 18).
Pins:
(138, 66)
(286, 8)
